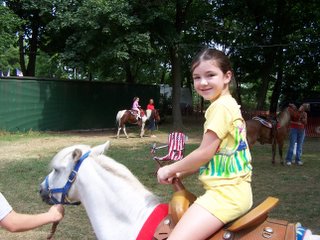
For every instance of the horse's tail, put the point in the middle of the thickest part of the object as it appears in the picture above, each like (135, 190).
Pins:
(119, 115)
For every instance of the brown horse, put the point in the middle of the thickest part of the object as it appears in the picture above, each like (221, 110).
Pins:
(269, 131)
(129, 116)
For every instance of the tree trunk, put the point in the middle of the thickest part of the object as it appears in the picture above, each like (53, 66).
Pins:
(181, 13)
(265, 76)
(277, 86)
(270, 54)
(176, 88)
(129, 75)
(31, 69)
(21, 55)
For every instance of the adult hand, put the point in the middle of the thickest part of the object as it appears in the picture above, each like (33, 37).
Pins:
(56, 212)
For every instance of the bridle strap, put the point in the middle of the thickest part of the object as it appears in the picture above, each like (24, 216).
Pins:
(65, 189)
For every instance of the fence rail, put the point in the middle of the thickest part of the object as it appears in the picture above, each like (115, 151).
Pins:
(58, 105)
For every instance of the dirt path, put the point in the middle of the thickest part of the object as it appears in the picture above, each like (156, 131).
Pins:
(38, 147)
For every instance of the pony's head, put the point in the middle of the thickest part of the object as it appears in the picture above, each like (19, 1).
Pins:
(285, 116)
(156, 115)
(58, 185)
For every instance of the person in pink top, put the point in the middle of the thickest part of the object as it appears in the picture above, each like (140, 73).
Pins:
(136, 106)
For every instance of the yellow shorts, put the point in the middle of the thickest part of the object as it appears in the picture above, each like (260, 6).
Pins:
(227, 202)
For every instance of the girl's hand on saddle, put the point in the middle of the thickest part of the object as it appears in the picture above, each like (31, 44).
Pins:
(182, 175)
(165, 176)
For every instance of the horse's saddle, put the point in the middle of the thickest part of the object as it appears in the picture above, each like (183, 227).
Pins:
(264, 122)
(133, 112)
(255, 225)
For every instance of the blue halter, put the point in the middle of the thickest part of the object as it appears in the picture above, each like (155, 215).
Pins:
(64, 190)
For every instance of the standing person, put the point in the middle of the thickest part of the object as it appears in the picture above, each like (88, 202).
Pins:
(297, 132)
(223, 157)
(18, 222)
(136, 106)
(152, 121)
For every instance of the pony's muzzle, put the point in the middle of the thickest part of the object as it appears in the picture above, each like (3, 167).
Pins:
(45, 195)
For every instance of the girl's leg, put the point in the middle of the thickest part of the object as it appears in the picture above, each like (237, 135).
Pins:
(196, 224)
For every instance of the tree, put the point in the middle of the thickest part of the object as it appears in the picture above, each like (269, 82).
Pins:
(176, 27)
(35, 16)
(274, 44)
(109, 42)
(261, 36)
(9, 25)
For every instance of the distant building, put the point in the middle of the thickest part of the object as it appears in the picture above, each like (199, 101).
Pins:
(185, 98)
(186, 103)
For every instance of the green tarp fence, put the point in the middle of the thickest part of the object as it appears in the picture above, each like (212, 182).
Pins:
(59, 105)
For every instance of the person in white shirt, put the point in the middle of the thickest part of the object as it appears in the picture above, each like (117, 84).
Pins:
(19, 222)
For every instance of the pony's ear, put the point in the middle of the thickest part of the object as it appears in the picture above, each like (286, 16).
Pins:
(76, 154)
(98, 150)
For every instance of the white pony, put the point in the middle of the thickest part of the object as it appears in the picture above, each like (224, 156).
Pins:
(116, 203)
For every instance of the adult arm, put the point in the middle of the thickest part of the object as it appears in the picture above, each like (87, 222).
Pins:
(304, 118)
(17, 222)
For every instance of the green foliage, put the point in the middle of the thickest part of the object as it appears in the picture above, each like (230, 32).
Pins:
(135, 41)
(101, 41)
(9, 24)
(9, 59)
(50, 66)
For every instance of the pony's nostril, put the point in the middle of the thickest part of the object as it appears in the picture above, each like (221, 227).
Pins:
(40, 190)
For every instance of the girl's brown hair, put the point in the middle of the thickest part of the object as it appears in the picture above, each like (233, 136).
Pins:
(222, 61)
(218, 56)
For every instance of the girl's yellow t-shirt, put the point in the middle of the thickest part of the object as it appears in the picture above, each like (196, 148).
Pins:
(232, 162)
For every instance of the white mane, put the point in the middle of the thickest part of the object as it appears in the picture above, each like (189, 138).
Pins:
(121, 171)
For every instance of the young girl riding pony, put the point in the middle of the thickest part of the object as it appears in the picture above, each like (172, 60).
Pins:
(136, 106)
(223, 157)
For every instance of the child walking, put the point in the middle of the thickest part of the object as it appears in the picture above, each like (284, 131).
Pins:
(223, 157)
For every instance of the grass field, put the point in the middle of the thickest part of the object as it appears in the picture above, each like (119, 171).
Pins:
(25, 158)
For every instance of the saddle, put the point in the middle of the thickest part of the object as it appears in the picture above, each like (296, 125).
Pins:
(254, 225)
(134, 113)
(263, 122)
